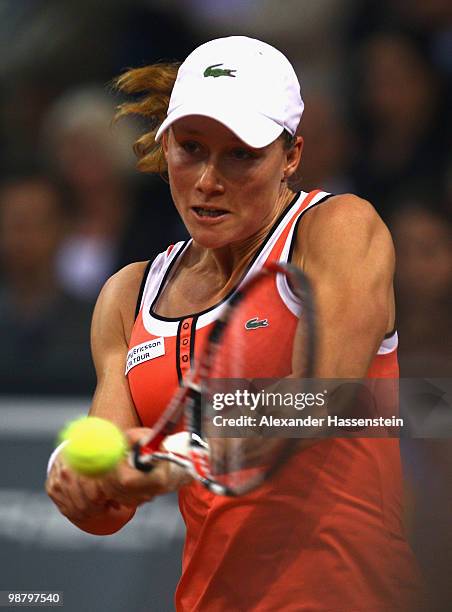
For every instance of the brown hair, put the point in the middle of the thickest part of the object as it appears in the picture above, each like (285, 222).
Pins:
(156, 83)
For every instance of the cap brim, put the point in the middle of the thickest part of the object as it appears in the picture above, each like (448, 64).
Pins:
(253, 129)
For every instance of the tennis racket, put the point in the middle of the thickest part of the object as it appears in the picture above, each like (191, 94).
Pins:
(234, 466)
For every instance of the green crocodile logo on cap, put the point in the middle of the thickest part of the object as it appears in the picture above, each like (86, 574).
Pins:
(215, 72)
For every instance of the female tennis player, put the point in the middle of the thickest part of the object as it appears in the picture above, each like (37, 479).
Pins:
(327, 533)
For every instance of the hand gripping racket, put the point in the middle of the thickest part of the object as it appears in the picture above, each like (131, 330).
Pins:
(238, 465)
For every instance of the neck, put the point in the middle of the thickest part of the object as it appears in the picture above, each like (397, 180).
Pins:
(229, 262)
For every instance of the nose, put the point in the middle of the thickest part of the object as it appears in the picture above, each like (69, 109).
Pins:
(209, 181)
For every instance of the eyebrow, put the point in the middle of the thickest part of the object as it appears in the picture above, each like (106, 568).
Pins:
(189, 130)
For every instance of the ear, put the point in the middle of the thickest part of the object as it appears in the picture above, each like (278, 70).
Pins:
(293, 157)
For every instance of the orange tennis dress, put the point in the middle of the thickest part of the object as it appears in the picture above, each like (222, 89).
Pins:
(325, 534)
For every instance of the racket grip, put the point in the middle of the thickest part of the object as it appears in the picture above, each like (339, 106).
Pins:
(137, 461)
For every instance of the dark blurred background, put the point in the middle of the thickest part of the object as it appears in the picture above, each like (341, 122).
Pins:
(376, 79)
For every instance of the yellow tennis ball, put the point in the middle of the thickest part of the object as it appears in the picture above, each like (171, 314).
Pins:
(94, 446)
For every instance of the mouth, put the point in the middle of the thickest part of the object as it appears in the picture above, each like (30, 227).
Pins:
(207, 212)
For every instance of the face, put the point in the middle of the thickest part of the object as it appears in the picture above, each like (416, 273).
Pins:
(85, 159)
(30, 226)
(224, 190)
(389, 61)
(424, 255)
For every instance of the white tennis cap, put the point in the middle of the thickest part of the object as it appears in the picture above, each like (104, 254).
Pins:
(245, 84)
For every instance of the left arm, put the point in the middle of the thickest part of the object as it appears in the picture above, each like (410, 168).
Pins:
(346, 251)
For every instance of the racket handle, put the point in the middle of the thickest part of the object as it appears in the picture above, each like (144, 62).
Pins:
(136, 460)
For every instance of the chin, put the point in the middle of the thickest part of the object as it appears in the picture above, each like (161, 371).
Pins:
(211, 239)
(210, 242)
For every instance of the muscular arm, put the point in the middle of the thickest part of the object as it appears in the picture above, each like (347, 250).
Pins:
(81, 499)
(347, 252)
(110, 332)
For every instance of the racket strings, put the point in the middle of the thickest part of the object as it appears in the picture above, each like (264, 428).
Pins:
(255, 347)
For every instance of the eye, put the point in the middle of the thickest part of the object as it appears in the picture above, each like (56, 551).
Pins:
(242, 154)
(191, 147)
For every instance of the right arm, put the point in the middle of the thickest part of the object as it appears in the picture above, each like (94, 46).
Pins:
(104, 505)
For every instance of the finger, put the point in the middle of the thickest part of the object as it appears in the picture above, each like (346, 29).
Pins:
(83, 491)
(130, 497)
(54, 486)
(117, 487)
(88, 487)
(65, 474)
(92, 490)
(57, 496)
(75, 494)
(64, 502)
(132, 487)
(136, 434)
(68, 485)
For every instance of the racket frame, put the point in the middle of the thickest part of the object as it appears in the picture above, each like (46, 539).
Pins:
(186, 402)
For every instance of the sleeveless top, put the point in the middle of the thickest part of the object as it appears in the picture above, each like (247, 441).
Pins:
(325, 534)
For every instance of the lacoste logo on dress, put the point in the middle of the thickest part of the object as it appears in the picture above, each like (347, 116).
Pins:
(215, 72)
(255, 323)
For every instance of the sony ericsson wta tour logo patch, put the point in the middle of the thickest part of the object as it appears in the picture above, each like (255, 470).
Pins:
(214, 71)
(144, 352)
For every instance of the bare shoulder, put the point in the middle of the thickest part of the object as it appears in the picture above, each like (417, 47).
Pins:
(124, 282)
(347, 224)
(117, 301)
(348, 213)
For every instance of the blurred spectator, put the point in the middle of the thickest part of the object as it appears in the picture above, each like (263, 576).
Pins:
(93, 162)
(44, 332)
(448, 178)
(423, 241)
(402, 131)
(327, 145)
(429, 23)
(96, 160)
(294, 26)
(428, 467)
(49, 46)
